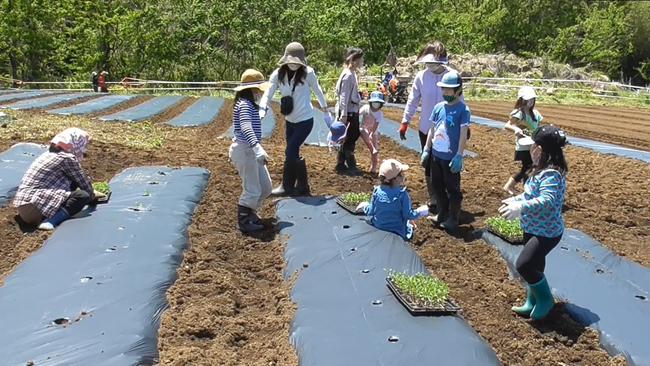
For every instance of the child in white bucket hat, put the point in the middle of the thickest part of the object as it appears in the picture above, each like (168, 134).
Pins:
(524, 118)
(370, 117)
(390, 205)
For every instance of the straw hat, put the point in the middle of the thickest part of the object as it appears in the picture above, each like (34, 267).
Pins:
(294, 53)
(252, 79)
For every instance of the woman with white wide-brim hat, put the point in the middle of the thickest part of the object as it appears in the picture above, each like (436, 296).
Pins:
(246, 151)
(296, 81)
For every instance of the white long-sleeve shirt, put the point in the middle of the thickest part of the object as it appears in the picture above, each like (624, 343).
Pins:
(347, 92)
(425, 89)
(302, 108)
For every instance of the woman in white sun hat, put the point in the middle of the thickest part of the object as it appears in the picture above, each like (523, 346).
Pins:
(524, 119)
(246, 151)
(296, 81)
(425, 89)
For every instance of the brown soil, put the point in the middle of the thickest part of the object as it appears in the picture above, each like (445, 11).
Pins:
(139, 99)
(231, 306)
(172, 111)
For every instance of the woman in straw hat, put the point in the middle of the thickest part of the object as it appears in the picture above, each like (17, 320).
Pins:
(347, 109)
(247, 153)
(296, 81)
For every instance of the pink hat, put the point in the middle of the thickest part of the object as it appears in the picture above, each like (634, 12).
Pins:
(391, 168)
(72, 140)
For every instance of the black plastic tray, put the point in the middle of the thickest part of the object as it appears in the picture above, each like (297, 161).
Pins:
(102, 200)
(518, 241)
(349, 208)
(448, 308)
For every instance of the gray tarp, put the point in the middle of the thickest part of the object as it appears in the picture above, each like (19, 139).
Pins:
(201, 112)
(14, 163)
(604, 291)
(94, 105)
(145, 110)
(341, 260)
(47, 101)
(106, 271)
(21, 94)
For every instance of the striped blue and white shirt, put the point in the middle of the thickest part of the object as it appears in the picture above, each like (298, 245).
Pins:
(246, 122)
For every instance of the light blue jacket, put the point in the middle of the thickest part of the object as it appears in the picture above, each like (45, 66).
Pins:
(390, 210)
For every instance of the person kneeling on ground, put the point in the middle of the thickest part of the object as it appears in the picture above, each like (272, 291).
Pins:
(48, 189)
(247, 153)
(390, 205)
(540, 211)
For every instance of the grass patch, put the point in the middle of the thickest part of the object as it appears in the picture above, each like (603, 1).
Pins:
(420, 289)
(355, 198)
(30, 126)
(102, 187)
(509, 230)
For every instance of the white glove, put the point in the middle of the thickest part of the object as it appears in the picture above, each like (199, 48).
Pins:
(262, 113)
(512, 210)
(362, 206)
(328, 120)
(422, 210)
(260, 154)
(509, 200)
(518, 131)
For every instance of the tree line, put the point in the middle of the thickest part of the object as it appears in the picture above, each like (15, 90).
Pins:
(201, 40)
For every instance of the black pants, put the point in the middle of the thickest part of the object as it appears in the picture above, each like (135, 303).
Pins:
(532, 260)
(353, 133)
(423, 141)
(446, 185)
(526, 164)
(76, 202)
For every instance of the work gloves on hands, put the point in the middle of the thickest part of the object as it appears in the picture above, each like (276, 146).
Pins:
(424, 159)
(402, 130)
(518, 131)
(260, 154)
(511, 209)
(362, 206)
(456, 163)
(422, 210)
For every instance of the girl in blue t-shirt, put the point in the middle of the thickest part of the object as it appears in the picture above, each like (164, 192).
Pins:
(523, 117)
(540, 211)
(390, 205)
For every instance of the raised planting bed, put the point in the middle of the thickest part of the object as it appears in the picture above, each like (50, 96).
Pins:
(509, 231)
(421, 294)
(350, 201)
(103, 188)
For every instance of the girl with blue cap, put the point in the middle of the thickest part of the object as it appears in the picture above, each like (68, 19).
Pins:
(443, 152)
(371, 116)
(539, 209)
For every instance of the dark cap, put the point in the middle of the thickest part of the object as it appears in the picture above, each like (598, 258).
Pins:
(550, 138)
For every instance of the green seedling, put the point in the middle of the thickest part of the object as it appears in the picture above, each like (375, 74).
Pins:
(147, 193)
(101, 187)
(137, 207)
(507, 229)
(355, 198)
(420, 289)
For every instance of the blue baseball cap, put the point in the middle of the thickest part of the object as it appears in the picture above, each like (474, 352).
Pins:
(450, 80)
(376, 97)
(337, 131)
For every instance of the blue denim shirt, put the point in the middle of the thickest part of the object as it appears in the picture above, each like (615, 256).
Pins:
(390, 210)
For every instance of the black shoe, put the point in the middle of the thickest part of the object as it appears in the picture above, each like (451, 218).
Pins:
(287, 186)
(244, 223)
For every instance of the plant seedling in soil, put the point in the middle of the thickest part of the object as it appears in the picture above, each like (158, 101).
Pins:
(147, 193)
(420, 289)
(355, 198)
(507, 229)
(101, 187)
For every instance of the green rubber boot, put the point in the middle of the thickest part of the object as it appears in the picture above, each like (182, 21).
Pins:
(527, 307)
(544, 299)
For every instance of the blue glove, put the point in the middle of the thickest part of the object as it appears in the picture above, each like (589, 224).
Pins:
(456, 164)
(424, 160)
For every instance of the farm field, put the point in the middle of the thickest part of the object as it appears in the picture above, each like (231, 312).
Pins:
(230, 304)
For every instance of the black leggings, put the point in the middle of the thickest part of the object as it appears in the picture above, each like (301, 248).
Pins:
(532, 259)
(526, 164)
(353, 133)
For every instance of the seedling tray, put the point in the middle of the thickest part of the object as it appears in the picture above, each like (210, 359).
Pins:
(349, 207)
(448, 307)
(103, 200)
(507, 239)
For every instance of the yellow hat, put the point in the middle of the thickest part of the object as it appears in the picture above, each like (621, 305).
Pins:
(252, 79)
